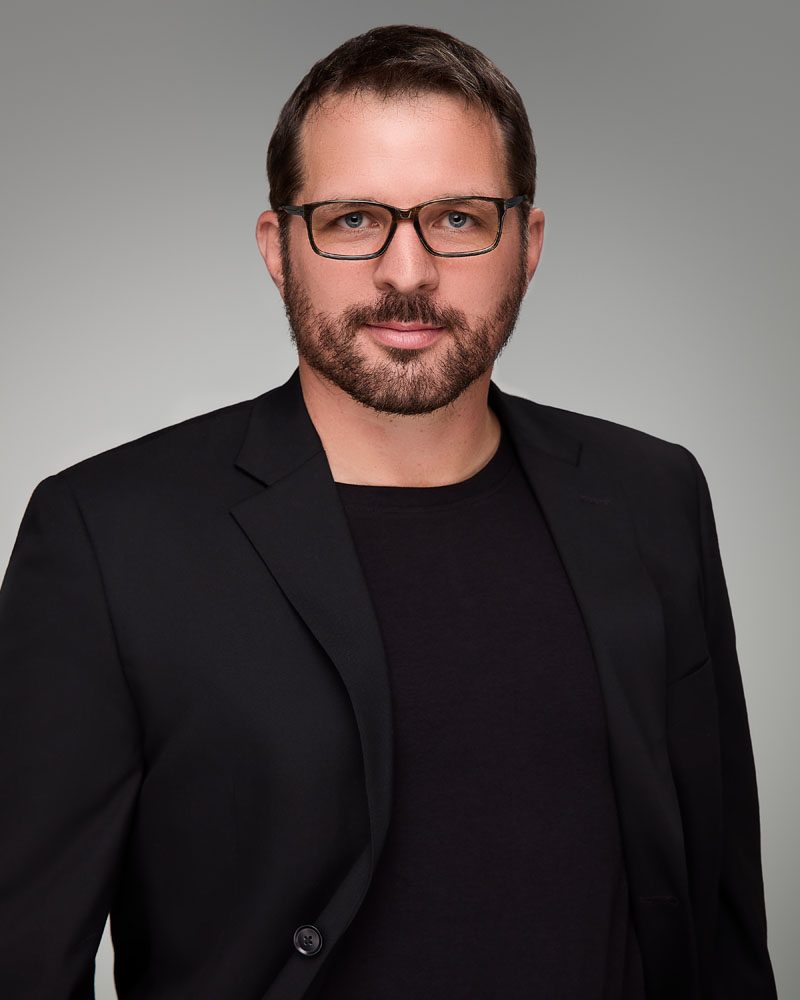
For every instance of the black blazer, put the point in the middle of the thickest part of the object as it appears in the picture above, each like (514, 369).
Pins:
(196, 721)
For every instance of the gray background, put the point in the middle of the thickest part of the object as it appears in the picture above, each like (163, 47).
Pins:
(133, 295)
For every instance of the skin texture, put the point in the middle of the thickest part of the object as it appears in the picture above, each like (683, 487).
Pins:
(388, 415)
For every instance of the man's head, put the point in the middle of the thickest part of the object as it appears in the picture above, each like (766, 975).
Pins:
(402, 115)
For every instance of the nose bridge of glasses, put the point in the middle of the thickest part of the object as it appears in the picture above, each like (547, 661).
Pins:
(409, 215)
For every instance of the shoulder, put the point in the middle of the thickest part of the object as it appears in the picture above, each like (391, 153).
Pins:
(623, 445)
(655, 473)
(183, 458)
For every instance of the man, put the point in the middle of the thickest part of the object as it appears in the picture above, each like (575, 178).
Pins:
(386, 683)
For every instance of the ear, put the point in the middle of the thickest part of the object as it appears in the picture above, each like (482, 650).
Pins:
(268, 239)
(535, 238)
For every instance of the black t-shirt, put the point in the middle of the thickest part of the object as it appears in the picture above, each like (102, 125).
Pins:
(502, 874)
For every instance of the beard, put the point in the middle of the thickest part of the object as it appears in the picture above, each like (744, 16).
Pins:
(405, 383)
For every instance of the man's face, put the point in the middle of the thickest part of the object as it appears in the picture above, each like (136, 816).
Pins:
(402, 152)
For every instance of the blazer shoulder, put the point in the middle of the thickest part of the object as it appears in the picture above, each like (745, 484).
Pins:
(602, 432)
(661, 479)
(639, 459)
(170, 453)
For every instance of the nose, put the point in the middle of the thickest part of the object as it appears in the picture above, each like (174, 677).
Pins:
(405, 265)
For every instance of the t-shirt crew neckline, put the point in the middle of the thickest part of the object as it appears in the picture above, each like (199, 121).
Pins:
(481, 483)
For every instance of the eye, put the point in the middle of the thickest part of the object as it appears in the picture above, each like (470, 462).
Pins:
(455, 220)
(353, 219)
(356, 220)
(458, 220)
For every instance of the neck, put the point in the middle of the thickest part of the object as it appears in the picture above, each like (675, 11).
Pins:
(369, 448)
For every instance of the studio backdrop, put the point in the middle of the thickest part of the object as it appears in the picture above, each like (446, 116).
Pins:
(134, 139)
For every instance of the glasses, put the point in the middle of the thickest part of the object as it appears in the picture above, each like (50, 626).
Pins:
(447, 227)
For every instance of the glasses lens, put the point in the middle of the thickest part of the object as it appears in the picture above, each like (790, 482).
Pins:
(462, 226)
(350, 228)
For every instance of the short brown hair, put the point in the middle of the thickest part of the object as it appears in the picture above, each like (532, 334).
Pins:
(403, 59)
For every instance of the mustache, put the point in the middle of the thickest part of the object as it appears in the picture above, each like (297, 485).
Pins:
(394, 307)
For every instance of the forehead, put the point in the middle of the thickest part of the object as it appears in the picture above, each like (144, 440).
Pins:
(402, 150)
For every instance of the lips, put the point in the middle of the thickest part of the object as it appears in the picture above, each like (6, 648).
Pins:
(404, 327)
(405, 335)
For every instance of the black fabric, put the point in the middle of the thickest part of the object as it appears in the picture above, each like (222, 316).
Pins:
(502, 874)
(196, 730)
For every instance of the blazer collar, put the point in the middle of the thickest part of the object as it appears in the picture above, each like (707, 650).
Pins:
(298, 526)
(281, 436)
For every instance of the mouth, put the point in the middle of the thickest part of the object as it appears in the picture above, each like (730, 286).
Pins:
(411, 336)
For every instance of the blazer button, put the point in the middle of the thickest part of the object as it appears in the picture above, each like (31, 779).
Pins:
(308, 939)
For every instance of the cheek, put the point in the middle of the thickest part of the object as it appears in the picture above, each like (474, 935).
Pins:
(335, 285)
(476, 285)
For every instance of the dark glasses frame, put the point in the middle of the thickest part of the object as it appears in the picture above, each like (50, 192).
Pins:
(306, 212)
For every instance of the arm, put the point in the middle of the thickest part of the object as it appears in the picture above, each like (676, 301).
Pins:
(70, 761)
(742, 963)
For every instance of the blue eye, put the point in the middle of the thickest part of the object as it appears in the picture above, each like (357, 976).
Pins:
(457, 219)
(354, 219)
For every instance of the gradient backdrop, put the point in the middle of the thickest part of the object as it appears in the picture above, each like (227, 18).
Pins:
(133, 295)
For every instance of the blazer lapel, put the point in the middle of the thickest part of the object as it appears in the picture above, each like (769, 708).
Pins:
(590, 522)
(299, 528)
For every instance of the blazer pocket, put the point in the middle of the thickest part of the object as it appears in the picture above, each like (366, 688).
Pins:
(692, 700)
(693, 746)
(692, 670)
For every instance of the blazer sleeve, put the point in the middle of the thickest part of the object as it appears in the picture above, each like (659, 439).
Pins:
(70, 754)
(742, 963)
